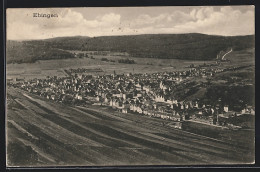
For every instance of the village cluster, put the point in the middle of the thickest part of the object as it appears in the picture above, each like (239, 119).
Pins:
(146, 94)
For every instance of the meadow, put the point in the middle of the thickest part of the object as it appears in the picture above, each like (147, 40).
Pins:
(55, 67)
(43, 68)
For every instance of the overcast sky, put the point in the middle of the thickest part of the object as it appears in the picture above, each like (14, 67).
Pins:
(219, 20)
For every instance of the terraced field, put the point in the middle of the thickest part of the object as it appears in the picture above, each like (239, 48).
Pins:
(44, 133)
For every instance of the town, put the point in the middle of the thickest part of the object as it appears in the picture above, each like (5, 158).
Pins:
(130, 86)
(146, 94)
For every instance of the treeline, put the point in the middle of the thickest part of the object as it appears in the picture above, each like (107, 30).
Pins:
(127, 61)
(104, 59)
(168, 46)
(229, 96)
(20, 52)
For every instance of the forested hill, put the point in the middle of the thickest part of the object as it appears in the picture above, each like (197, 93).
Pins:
(172, 46)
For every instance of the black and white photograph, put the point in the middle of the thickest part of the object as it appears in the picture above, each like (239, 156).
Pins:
(130, 86)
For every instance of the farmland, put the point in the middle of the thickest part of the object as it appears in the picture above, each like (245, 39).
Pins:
(43, 68)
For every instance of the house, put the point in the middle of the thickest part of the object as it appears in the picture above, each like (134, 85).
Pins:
(112, 102)
(145, 112)
(175, 117)
(196, 105)
(159, 98)
(79, 97)
(226, 115)
(248, 110)
(139, 109)
(106, 100)
(52, 97)
(226, 108)
(163, 86)
(150, 113)
(147, 89)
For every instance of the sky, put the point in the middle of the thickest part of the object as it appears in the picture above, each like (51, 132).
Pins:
(104, 21)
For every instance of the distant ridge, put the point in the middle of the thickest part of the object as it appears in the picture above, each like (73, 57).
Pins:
(193, 46)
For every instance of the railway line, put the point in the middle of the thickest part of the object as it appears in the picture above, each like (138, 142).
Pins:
(54, 134)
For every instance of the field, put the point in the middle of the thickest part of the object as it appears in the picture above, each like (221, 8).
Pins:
(44, 133)
(43, 68)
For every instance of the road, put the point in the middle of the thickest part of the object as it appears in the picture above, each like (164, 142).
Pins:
(45, 133)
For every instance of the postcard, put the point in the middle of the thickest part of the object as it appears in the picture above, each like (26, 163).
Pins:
(130, 86)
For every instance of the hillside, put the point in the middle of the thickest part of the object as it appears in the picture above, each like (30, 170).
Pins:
(168, 46)
(23, 52)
